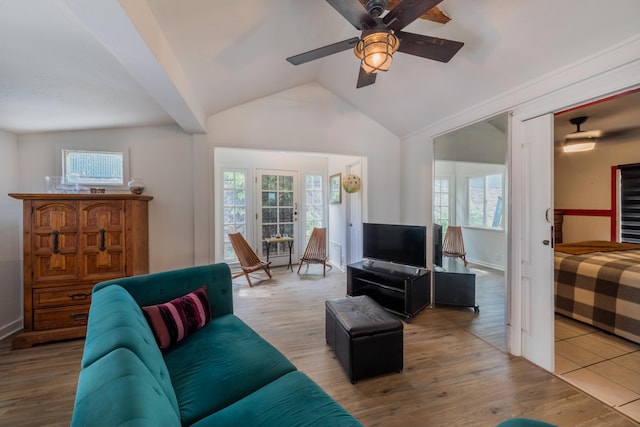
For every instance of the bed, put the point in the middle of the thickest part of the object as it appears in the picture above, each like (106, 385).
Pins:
(598, 283)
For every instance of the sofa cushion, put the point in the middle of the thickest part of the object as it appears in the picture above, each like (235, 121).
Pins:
(220, 364)
(291, 400)
(524, 422)
(116, 321)
(118, 390)
(175, 320)
(156, 288)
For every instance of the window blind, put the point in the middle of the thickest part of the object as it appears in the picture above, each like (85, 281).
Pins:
(630, 203)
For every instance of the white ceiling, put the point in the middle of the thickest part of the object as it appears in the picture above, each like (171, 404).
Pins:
(72, 64)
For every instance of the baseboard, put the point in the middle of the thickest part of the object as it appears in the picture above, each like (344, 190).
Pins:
(10, 328)
(486, 264)
(338, 267)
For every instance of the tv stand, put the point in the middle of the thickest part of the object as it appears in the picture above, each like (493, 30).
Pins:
(400, 289)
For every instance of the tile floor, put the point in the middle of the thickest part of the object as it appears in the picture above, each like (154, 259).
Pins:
(603, 365)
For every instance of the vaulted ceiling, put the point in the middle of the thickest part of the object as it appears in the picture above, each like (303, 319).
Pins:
(73, 64)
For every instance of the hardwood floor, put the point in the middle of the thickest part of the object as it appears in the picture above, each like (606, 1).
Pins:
(37, 385)
(490, 323)
(603, 365)
(450, 378)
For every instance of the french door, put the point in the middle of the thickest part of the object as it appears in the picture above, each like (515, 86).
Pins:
(277, 214)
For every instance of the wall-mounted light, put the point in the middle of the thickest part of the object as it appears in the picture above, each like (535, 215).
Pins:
(376, 50)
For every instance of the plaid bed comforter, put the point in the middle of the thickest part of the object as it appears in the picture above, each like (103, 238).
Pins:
(601, 289)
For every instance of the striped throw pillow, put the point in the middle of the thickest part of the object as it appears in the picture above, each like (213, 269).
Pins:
(175, 320)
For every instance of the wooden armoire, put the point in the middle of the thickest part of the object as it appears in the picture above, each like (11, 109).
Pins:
(71, 242)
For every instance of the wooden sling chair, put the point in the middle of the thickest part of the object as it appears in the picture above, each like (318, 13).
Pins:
(249, 261)
(453, 245)
(316, 251)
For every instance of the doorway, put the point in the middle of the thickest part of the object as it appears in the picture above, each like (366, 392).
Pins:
(585, 192)
(471, 191)
(277, 214)
(262, 193)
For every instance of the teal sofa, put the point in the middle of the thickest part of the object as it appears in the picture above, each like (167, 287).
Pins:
(224, 374)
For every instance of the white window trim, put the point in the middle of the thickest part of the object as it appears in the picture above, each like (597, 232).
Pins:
(59, 160)
(303, 200)
(467, 202)
(250, 214)
(450, 205)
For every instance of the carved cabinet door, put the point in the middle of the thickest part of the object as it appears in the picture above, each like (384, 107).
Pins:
(55, 241)
(102, 231)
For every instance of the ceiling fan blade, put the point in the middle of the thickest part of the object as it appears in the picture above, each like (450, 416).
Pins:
(321, 52)
(407, 12)
(428, 47)
(354, 12)
(621, 134)
(365, 79)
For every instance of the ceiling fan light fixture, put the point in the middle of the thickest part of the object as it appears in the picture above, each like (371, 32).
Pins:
(580, 140)
(376, 50)
(576, 146)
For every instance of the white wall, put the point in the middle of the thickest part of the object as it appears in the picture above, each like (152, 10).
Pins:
(309, 118)
(161, 155)
(480, 142)
(583, 181)
(10, 237)
(417, 182)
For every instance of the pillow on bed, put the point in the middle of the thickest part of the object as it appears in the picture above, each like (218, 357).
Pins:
(175, 320)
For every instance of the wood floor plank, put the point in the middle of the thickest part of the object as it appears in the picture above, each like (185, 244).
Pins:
(451, 377)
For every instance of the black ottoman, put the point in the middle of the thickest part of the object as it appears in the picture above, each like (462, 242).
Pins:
(366, 339)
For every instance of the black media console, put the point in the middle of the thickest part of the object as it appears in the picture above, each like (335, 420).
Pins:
(455, 284)
(400, 289)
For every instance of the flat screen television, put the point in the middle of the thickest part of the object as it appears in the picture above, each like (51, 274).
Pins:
(399, 244)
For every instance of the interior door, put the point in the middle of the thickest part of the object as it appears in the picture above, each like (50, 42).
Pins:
(536, 241)
(277, 214)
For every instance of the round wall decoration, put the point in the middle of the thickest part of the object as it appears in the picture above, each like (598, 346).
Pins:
(351, 183)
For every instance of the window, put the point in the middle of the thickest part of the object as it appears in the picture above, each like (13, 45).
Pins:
(314, 206)
(484, 201)
(629, 217)
(441, 202)
(93, 167)
(235, 208)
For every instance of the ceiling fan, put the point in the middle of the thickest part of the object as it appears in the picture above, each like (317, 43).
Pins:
(580, 140)
(585, 140)
(382, 36)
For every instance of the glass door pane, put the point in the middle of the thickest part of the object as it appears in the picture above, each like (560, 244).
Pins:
(235, 207)
(313, 205)
(278, 213)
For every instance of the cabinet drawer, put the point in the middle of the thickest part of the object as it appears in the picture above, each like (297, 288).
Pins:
(66, 317)
(62, 296)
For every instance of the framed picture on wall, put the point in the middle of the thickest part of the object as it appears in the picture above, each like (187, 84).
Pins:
(335, 190)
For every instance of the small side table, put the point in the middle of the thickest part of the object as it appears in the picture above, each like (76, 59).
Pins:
(455, 284)
(288, 240)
